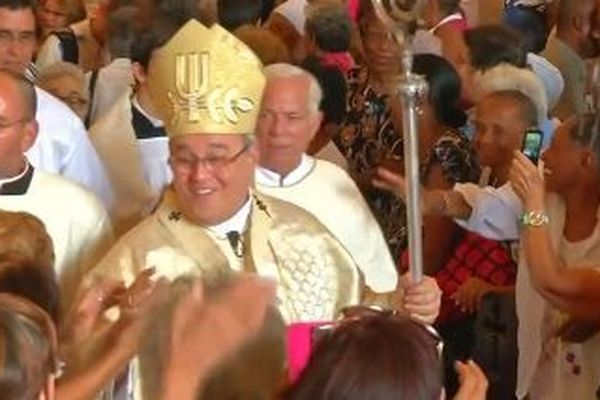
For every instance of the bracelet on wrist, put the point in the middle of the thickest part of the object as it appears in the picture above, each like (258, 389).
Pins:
(535, 218)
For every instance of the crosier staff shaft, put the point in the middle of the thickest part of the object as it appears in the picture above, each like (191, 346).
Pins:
(399, 18)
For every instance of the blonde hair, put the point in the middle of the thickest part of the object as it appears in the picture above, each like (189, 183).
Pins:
(23, 237)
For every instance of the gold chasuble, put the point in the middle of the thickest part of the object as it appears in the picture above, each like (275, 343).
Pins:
(316, 276)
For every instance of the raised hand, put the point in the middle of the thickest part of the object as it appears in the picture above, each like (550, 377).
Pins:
(527, 182)
(473, 383)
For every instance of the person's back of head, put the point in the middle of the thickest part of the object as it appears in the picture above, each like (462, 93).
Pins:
(27, 350)
(334, 87)
(330, 27)
(268, 47)
(490, 45)
(448, 7)
(444, 88)
(24, 238)
(146, 41)
(33, 283)
(255, 371)
(178, 12)
(235, 13)
(377, 357)
(120, 31)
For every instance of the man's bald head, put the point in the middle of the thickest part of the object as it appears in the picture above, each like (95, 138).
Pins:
(24, 89)
(18, 127)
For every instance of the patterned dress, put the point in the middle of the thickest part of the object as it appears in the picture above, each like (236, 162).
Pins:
(368, 136)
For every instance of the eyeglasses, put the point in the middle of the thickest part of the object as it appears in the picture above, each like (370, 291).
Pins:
(210, 163)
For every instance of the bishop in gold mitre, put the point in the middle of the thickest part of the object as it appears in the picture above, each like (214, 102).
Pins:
(207, 85)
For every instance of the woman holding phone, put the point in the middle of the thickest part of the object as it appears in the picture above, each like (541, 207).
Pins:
(558, 220)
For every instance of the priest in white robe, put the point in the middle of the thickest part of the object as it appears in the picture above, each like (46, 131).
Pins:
(74, 218)
(288, 121)
(62, 146)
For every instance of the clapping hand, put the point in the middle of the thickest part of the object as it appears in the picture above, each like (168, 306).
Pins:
(473, 383)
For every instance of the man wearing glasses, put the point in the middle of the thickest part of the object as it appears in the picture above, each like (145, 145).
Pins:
(62, 145)
(211, 223)
(80, 235)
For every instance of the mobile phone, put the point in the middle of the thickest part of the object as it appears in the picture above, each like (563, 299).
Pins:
(532, 144)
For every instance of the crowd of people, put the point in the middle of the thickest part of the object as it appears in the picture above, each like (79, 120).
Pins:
(206, 199)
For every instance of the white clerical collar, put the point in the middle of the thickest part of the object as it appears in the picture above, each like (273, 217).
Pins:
(266, 177)
(452, 17)
(157, 123)
(238, 222)
(13, 179)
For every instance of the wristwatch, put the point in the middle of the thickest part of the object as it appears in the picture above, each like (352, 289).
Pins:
(535, 218)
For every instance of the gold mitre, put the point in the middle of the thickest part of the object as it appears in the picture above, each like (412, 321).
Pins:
(206, 81)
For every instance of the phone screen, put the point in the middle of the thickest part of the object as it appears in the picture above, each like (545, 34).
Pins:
(532, 144)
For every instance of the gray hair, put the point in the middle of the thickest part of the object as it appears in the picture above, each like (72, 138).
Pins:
(506, 77)
(60, 69)
(282, 70)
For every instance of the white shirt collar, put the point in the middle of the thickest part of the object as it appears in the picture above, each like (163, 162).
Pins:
(238, 222)
(16, 177)
(266, 177)
(121, 62)
(452, 17)
(157, 123)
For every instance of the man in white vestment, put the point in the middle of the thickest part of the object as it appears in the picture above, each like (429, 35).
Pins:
(132, 143)
(74, 218)
(62, 146)
(211, 223)
(288, 121)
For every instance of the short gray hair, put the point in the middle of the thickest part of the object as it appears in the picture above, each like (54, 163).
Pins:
(58, 70)
(282, 70)
(506, 77)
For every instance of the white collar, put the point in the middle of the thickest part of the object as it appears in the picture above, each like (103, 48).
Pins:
(452, 17)
(121, 62)
(157, 123)
(16, 177)
(266, 177)
(238, 222)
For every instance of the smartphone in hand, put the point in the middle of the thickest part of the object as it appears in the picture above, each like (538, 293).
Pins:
(532, 144)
